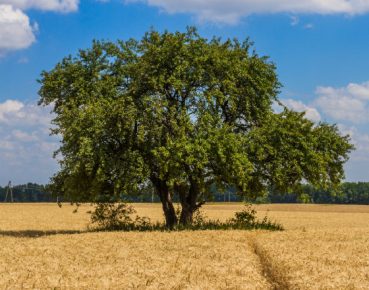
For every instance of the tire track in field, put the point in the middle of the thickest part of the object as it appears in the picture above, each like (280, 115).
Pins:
(273, 275)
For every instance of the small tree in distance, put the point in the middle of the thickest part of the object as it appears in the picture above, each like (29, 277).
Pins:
(181, 112)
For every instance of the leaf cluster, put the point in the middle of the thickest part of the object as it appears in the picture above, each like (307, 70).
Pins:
(183, 110)
(118, 217)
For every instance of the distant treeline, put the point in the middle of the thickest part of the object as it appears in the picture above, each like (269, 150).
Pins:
(351, 193)
(30, 192)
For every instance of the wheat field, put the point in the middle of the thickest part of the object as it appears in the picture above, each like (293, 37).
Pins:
(47, 247)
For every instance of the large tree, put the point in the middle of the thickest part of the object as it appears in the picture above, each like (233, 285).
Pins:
(181, 112)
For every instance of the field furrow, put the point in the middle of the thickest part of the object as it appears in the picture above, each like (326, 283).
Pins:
(323, 247)
(330, 259)
(181, 260)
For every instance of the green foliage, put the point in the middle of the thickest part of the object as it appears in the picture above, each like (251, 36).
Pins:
(118, 217)
(182, 113)
(247, 219)
(289, 149)
(246, 216)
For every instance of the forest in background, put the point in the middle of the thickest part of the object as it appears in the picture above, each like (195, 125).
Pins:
(351, 193)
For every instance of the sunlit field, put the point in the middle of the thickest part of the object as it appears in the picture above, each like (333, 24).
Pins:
(323, 247)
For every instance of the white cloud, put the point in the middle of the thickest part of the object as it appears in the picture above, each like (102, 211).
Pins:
(359, 139)
(9, 107)
(360, 91)
(25, 145)
(349, 106)
(311, 113)
(22, 136)
(350, 103)
(232, 11)
(356, 167)
(46, 5)
(16, 31)
(13, 112)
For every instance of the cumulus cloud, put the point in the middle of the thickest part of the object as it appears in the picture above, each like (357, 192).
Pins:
(359, 139)
(349, 106)
(232, 11)
(348, 103)
(13, 112)
(9, 107)
(16, 31)
(26, 147)
(22, 136)
(46, 5)
(311, 113)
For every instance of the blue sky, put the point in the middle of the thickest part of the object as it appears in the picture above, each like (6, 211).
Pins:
(320, 49)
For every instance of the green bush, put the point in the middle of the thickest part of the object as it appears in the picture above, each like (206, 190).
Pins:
(247, 219)
(118, 217)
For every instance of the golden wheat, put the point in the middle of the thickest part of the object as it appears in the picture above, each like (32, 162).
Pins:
(182, 260)
(323, 247)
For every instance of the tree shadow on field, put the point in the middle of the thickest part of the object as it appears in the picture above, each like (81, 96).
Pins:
(38, 233)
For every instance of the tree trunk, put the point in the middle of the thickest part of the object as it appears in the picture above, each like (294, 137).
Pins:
(186, 214)
(169, 212)
(162, 191)
(188, 203)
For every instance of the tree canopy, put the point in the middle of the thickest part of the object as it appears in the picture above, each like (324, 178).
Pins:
(182, 113)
